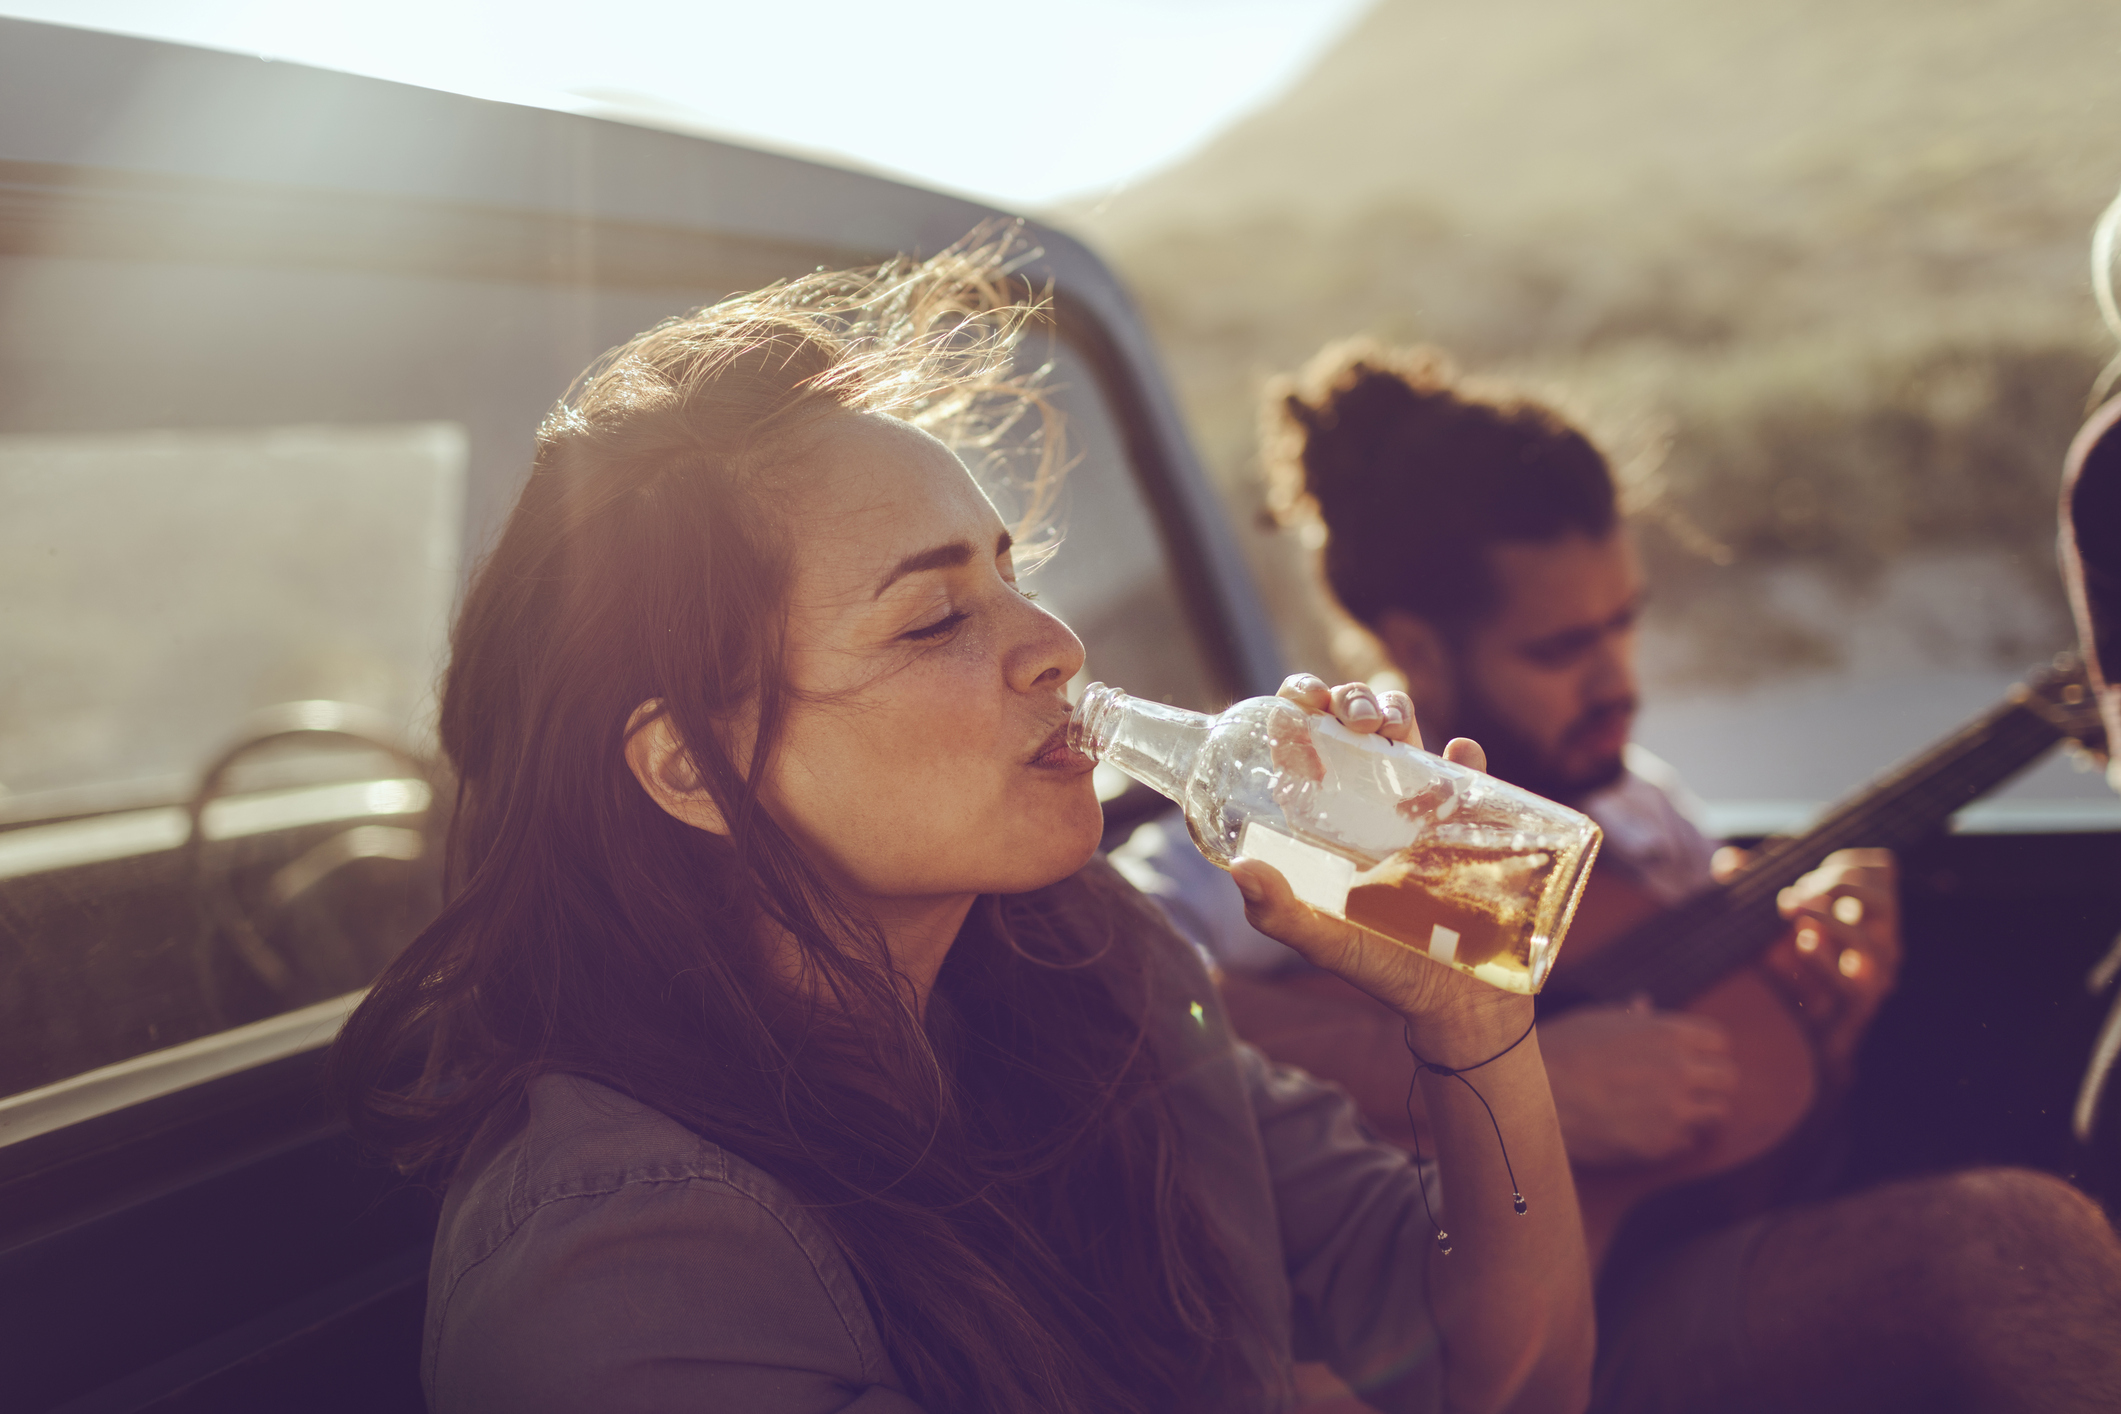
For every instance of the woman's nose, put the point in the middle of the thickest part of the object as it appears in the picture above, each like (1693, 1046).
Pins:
(1046, 652)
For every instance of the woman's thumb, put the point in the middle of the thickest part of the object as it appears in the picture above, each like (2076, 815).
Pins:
(1272, 907)
(1266, 892)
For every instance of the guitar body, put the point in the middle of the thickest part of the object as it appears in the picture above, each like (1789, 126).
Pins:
(1778, 1080)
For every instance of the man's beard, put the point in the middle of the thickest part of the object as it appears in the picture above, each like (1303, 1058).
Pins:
(1516, 758)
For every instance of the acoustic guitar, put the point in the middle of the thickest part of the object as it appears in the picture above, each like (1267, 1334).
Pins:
(1698, 956)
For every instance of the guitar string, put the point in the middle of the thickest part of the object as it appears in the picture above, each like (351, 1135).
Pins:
(1687, 960)
(1731, 930)
(1994, 754)
(1902, 808)
(1990, 748)
(1987, 750)
(1912, 810)
(1935, 788)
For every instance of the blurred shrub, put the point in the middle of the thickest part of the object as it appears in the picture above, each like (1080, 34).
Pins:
(1774, 403)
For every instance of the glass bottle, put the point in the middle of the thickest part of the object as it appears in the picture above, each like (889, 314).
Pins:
(1447, 861)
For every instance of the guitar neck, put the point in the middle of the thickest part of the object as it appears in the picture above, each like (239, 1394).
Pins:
(1680, 953)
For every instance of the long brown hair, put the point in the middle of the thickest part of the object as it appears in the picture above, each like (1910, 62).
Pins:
(1018, 1214)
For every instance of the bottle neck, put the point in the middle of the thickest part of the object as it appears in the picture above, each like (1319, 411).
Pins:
(1156, 745)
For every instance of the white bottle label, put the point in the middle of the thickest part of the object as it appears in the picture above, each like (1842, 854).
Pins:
(1319, 877)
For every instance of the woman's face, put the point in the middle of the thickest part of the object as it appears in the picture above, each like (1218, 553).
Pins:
(922, 757)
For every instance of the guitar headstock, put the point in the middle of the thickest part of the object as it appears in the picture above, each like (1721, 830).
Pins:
(2062, 693)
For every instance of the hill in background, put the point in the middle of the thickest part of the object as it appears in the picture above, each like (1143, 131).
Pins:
(1817, 272)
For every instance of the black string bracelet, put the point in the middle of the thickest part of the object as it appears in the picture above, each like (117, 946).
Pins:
(1458, 1073)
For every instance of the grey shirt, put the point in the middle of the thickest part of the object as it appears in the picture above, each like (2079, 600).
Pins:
(596, 1255)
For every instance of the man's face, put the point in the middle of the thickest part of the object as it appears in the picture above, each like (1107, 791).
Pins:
(1546, 682)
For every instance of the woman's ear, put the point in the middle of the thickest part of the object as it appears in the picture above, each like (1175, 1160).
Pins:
(1423, 655)
(660, 762)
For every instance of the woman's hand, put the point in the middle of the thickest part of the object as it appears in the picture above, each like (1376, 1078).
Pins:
(1512, 1296)
(1452, 1013)
(1510, 1287)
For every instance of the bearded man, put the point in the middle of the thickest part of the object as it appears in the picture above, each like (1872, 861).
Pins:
(1476, 535)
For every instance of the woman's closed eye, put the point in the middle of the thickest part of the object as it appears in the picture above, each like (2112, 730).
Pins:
(937, 629)
(955, 617)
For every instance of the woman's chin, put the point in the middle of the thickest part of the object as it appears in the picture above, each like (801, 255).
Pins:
(1064, 844)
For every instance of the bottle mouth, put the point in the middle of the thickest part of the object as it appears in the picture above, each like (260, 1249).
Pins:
(1091, 724)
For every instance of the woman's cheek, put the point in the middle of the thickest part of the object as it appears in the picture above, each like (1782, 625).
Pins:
(961, 691)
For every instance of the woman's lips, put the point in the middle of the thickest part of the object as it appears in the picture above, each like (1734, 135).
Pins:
(1054, 754)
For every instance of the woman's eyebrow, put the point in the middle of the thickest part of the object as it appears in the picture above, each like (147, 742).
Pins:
(937, 557)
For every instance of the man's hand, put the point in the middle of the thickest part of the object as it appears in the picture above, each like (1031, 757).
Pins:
(1841, 957)
(1633, 1085)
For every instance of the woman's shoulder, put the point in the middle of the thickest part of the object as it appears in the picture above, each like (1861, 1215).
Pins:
(591, 1207)
(575, 1141)
(574, 1138)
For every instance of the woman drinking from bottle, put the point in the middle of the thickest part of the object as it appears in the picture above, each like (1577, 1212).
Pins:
(783, 1047)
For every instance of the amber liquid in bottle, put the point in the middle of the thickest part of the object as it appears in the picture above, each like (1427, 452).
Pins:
(1475, 908)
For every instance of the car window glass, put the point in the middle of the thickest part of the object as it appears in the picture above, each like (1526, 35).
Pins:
(160, 585)
(238, 500)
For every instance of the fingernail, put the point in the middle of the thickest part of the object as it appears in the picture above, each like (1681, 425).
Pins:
(1306, 682)
(1248, 887)
(1362, 709)
(1394, 715)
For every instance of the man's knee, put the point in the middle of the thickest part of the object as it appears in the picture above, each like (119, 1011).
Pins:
(2019, 1231)
(2031, 1207)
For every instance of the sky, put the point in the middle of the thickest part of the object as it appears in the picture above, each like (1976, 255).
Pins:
(1024, 104)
